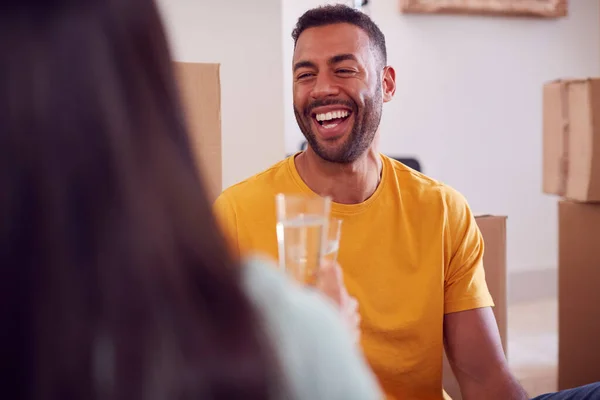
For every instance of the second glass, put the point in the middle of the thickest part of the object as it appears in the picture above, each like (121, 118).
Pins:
(332, 244)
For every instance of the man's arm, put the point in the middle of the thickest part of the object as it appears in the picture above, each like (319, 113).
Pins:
(475, 353)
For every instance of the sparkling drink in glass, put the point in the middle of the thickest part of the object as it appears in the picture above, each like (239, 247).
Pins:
(302, 230)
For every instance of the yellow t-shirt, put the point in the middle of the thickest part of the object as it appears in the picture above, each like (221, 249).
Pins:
(410, 253)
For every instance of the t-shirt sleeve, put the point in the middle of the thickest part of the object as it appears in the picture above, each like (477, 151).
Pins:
(465, 287)
(227, 220)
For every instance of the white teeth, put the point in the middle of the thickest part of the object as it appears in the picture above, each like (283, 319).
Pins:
(329, 126)
(332, 115)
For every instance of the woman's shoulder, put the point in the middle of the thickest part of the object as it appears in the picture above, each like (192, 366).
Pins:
(312, 343)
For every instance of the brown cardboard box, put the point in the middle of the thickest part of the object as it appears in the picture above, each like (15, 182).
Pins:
(493, 230)
(200, 89)
(578, 294)
(571, 143)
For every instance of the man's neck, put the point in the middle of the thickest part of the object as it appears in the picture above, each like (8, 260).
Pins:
(346, 183)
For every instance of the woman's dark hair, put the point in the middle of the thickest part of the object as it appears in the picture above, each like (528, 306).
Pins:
(116, 282)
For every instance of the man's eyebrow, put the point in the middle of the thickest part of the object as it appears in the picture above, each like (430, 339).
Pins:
(333, 60)
(342, 57)
(304, 64)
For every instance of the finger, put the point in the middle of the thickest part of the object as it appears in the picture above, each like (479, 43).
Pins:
(351, 303)
(333, 268)
(327, 275)
(357, 337)
(330, 283)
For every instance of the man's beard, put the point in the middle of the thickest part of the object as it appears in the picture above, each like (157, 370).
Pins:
(366, 123)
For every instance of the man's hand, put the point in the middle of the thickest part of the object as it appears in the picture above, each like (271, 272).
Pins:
(475, 353)
(330, 282)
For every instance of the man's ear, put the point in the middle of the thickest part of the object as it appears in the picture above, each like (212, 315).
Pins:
(388, 83)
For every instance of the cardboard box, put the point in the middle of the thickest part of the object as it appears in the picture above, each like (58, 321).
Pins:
(493, 230)
(200, 90)
(571, 140)
(578, 294)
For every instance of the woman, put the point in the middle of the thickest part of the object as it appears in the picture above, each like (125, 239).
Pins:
(116, 283)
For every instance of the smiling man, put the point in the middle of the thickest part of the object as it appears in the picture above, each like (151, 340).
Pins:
(410, 250)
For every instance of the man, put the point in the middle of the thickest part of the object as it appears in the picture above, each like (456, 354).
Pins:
(411, 251)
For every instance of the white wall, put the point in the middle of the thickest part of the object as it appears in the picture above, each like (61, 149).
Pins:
(245, 38)
(469, 102)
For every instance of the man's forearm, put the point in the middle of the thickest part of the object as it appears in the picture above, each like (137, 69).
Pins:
(502, 386)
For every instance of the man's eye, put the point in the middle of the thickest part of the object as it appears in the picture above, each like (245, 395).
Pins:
(305, 75)
(345, 71)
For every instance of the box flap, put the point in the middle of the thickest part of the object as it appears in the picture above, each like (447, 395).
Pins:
(571, 131)
(581, 101)
(571, 80)
(592, 149)
(555, 136)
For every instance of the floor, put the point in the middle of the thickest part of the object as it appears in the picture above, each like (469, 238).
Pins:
(533, 344)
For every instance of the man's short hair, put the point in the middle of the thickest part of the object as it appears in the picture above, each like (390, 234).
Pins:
(339, 14)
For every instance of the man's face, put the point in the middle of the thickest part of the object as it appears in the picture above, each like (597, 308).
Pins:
(338, 93)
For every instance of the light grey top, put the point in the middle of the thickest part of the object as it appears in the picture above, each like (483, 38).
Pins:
(315, 349)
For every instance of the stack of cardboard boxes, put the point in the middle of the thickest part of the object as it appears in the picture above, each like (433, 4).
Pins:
(571, 169)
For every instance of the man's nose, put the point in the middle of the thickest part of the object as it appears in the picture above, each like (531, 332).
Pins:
(324, 87)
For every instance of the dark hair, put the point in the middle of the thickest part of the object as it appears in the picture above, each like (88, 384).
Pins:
(339, 14)
(116, 282)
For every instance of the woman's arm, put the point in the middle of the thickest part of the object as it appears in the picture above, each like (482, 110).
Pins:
(314, 345)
